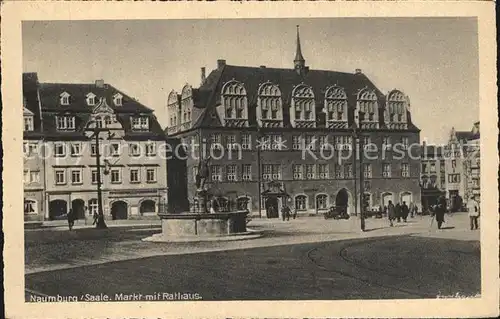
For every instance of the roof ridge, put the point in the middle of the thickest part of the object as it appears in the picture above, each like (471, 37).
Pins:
(288, 69)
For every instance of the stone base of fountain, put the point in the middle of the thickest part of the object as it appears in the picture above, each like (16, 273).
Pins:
(188, 227)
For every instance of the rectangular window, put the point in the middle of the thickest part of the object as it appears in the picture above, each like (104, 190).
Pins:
(404, 143)
(93, 150)
(247, 172)
(94, 176)
(276, 142)
(231, 173)
(215, 172)
(339, 171)
(367, 170)
(76, 149)
(265, 142)
(231, 142)
(30, 148)
(443, 180)
(115, 149)
(386, 142)
(28, 123)
(366, 140)
(216, 141)
(310, 142)
(150, 149)
(323, 171)
(246, 141)
(60, 175)
(453, 178)
(276, 171)
(140, 123)
(310, 171)
(296, 142)
(151, 175)
(34, 177)
(405, 170)
(134, 149)
(453, 164)
(76, 176)
(323, 141)
(116, 177)
(267, 172)
(65, 123)
(348, 171)
(134, 175)
(386, 170)
(60, 149)
(297, 172)
(433, 167)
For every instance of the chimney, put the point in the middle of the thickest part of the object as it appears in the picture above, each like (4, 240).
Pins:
(221, 64)
(99, 83)
(358, 71)
(203, 75)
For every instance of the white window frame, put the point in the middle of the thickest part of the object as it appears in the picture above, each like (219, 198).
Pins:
(150, 149)
(298, 172)
(386, 172)
(246, 141)
(34, 177)
(93, 172)
(367, 170)
(267, 172)
(56, 148)
(297, 142)
(326, 173)
(78, 146)
(348, 171)
(310, 171)
(140, 123)
(247, 172)
(216, 173)
(324, 197)
(119, 181)
(118, 99)
(276, 142)
(231, 142)
(134, 149)
(29, 123)
(93, 206)
(65, 123)
(80, 174)
(138, 171)
(148, 171)
(215, 141)
(231, 173)
(405, 172)
(56, 175)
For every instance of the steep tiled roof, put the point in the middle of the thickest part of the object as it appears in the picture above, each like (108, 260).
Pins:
(286, 79)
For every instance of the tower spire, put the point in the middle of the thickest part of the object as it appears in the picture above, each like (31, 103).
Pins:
(299, 62)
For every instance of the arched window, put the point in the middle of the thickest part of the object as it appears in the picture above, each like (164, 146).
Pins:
(303, 104)
(172, 108)
(269, 103)
(321, 201)
(367, 106)
(336, 104)
(98, 122)
(397, 105)
(186, 103)
(301, 202)
(234, 100)
(148, 206)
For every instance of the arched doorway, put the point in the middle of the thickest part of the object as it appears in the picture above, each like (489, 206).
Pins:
(386, 197)
(406, 197)
(119, 210)
(342, 201)
(78, 207)
(321, 202)
(58, 209)
(301, 202)
(272, 207)
(148, 207)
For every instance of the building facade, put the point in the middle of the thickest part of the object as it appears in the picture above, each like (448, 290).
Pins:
(34, 166)
(453, 169)
(131, 148)
(279, 136)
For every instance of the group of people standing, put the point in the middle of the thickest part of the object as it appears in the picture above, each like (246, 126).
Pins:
(400, 211)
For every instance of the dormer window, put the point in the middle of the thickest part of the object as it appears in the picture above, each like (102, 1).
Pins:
(65, 123)
(118, 99)
(28, 123)
(367, 108)
(396, 108)
(140, 123)
(336, 107)
(64, 98)
(91, 99)
(234, 99)
(303, 112)
(269, 109)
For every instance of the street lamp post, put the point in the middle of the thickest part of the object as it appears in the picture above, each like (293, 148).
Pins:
(259, 177)
(358, 143)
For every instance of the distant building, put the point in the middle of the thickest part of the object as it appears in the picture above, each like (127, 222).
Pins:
(287, 110)
(134, 172)
(452, 170)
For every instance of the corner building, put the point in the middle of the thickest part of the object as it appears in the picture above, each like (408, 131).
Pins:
(269, 115)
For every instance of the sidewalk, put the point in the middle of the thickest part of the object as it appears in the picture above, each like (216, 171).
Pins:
(82, 224)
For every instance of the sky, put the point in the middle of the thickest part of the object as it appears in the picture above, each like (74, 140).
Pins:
(433, 60)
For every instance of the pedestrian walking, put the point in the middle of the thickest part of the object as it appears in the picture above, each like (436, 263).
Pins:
(474, 212)
(440, 210)
(391, 213)
(412, 209)
(397, 209)
(71, 219)
(96, 217)
(404, 211)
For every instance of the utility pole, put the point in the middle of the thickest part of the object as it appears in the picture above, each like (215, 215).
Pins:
(361, 180)
(259, 177)
(100, 221)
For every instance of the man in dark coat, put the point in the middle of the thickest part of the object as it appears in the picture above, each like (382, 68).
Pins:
(71, 219)
(398, 212)
(440, 211)
(405, 211)
(391, 212)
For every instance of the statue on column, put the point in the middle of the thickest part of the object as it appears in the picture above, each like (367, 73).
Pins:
(203, 173)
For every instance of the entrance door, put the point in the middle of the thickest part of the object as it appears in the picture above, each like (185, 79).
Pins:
(58, 209)
(78, 207)
(119, 210)
(407, 198)
(342, 201)
(272, 207)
